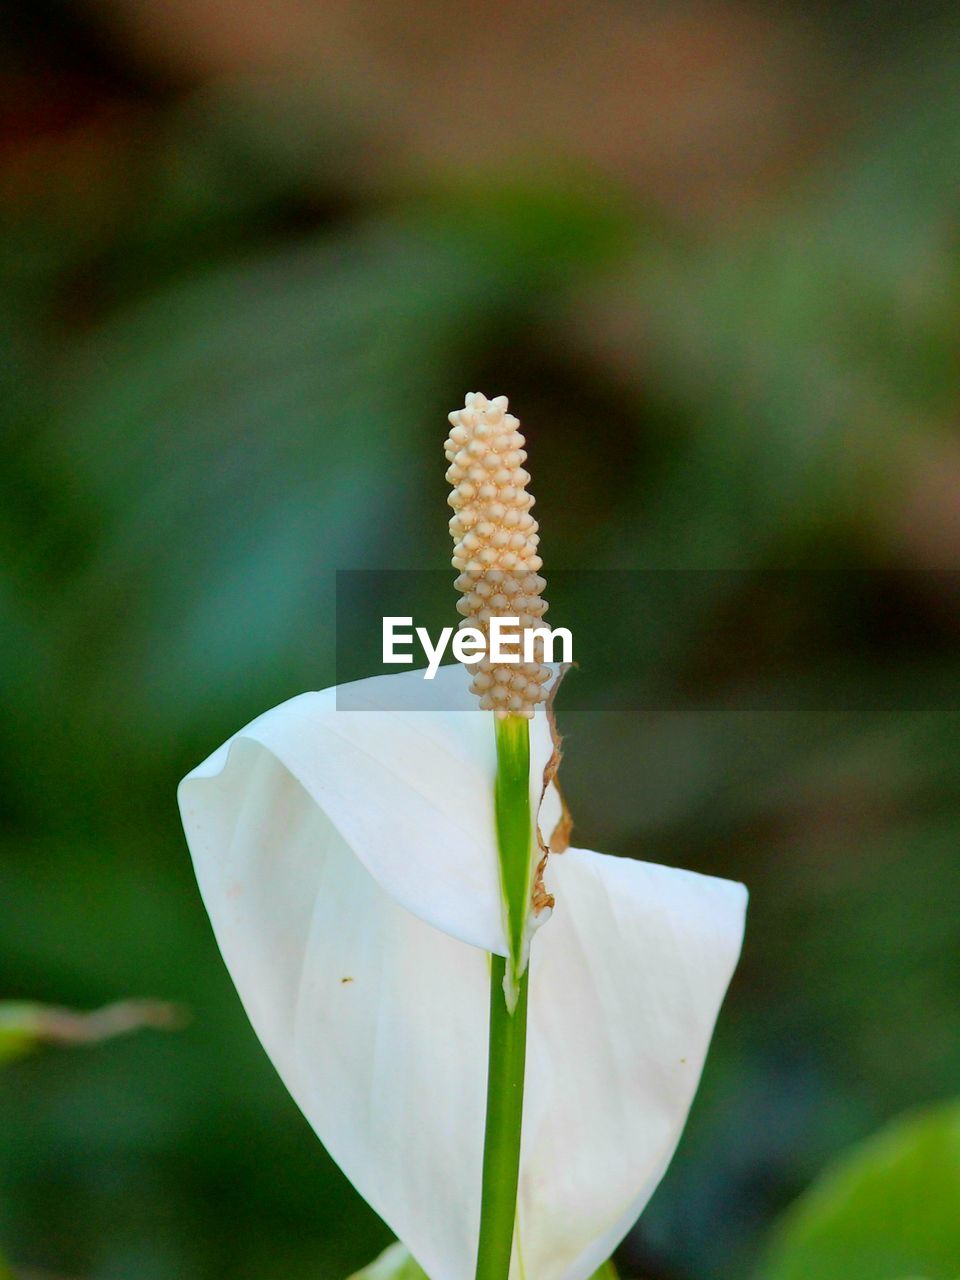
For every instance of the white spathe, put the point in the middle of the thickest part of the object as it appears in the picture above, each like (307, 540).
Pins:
(348, 863)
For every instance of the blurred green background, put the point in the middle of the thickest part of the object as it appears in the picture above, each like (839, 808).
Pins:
(251, 255)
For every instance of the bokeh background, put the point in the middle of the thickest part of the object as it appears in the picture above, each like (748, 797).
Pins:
(251, 254)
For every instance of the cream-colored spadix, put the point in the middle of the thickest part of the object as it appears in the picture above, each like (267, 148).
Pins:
(348, 862)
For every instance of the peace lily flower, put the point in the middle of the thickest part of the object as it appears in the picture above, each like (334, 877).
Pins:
(349, 863)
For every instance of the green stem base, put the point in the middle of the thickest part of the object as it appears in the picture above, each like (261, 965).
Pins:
(501, 1149)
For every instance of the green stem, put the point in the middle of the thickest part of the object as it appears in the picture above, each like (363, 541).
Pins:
(508, 1005)
(514, 839)
(501, 1146)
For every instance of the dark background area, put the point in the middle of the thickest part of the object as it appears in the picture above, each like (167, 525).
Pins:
(250, 256)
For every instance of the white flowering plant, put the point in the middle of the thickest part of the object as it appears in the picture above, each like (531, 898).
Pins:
(496, 1035)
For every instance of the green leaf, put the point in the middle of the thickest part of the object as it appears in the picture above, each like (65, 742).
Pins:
(25, 1026)
(395, 1263)
(887, 1210)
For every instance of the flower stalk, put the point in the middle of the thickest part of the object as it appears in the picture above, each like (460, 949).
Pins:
(514, 844)
(501, 1145)
(508, 1005)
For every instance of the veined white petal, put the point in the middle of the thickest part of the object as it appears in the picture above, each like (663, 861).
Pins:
(377, 1020)
(408, 783)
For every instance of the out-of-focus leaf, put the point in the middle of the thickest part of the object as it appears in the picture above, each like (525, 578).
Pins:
(886, 1211)
(25, 1026)
(215, 452)
(809, 357)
